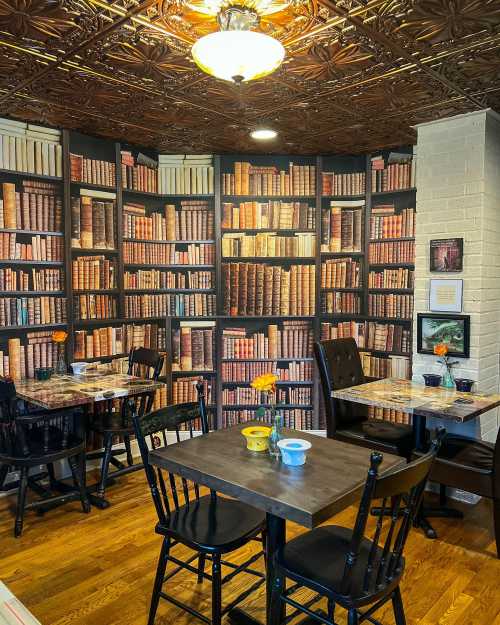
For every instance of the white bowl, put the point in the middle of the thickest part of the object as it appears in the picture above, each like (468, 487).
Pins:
(79, 367)
(294, 451)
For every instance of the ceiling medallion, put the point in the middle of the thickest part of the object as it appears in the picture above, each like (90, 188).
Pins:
(236, 52)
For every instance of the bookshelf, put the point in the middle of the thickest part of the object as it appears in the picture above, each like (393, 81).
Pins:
(162, 272)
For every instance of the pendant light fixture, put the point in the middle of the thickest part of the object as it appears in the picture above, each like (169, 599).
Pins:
(235, 52)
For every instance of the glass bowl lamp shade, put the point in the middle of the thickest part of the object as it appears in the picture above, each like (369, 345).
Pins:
(238, 55)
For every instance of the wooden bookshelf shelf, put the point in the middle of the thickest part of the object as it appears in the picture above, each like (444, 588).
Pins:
(395, 291)
(161, 196)
(96, 291)
(344, 198)
(278, 406)
(34, 326)
(390, 265)
(28, 263)
(393, 192)
(389, 319)
(270, 230)
(25, 174)
(332, 289)
(98, 358)
(256, 198)
(94, 251)
(176, 241)
(91, 186)
(274, 259)
(274, 317)
(170, 266)
(279, 383)
(193, 372)
(291, 359)
(384, 352)
(30, 293)
(342, 254)
(392, 240)
(132, 291)
(32, 232)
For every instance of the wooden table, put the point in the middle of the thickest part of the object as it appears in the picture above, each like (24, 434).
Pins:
(421, 402)
(331, 480)
(72, 391)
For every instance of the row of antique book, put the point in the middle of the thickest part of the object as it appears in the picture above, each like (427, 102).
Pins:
(340, 273)
(336, 183)
(342, 227)
(340, 303)
(194, 220)
(18, 360)
(193, 348)
(31, 280)
(255, 289)
(94, 306)
(137, 176)
(168, 253)
(42, 248)
(289, 339)
(386, 224)
(249, 179)
(92, 171)
(274, 214)
(110, 340)
(301, 371)
(269, 244)
(184, 390)
(392, 252)
(151, 279)
(393, 176)
(23, 311)
(385, 367)
(169, 304)
(30, 148)
(247, 396)
(296, 418)
(92, 223)
(185, 173)
(400, 278)
(384, 337)
(93, 272)
(37, 206)
(390, 305)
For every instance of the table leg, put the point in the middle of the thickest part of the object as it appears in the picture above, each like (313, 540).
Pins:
(275, 610)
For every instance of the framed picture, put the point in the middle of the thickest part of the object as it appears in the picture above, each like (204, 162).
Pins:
(445, 295)
(447, 255)
(434, 328)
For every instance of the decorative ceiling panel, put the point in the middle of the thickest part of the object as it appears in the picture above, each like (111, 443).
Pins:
(358, 73)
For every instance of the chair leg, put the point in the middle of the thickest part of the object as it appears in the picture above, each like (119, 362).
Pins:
(496, 520)
(397, 605)
(52, 475)
(160, 574)
(352, 617)
(331, 610)
(4, 470)
(77, 471)
(201, 567)
(216, 591)
(130, 459)
(108, 444)
(21, 502)
(275, 610)
(442, 495)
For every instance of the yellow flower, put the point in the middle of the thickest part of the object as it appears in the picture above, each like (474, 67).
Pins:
(265, 382)
(59, 336)
(441, 349)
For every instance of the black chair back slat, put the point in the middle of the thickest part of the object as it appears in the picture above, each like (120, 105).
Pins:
(339, 366)
(145, 363)
(404, 489)
(155, 425)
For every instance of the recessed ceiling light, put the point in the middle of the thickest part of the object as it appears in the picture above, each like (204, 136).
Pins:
(263, 134)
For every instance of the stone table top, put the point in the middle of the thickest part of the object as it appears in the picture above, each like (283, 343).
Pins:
(332, 478)
(417, 399)
(65, 391)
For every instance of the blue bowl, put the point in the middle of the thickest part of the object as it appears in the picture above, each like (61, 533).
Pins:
(464, 385)
(294, 451)
(432, 379)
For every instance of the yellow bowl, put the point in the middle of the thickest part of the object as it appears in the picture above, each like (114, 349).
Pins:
(257, 437)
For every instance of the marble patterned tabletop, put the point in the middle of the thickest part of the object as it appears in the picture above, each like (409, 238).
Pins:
(417, 399)
(64, 391)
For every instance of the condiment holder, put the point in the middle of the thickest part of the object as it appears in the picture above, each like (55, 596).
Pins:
(43, 373)
(294, 451)
(257, 437)
(79, 368)
(464, 385)
(432, 379)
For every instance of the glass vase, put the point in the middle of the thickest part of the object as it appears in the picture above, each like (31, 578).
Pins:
(61, 367)
(275, 436)
(448, 380)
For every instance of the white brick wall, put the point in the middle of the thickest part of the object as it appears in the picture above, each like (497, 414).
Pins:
(458, 195)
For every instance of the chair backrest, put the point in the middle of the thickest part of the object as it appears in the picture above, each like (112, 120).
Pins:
(401, 493)
(153, 426)
(145, 362)
(339, 367)
(8, 413)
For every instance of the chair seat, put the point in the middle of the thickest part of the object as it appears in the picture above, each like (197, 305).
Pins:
(319, 556)
(111, 422)
(465, 463)
(45, 451)
(393, 436)
(223, 525)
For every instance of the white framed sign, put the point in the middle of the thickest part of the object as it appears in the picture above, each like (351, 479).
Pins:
(445, 295)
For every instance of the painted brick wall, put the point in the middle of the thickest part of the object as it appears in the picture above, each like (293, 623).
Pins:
(458, 195)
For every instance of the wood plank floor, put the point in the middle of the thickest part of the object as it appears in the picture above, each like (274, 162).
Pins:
(97, 569)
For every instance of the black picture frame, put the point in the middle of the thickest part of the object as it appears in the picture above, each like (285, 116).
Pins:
(446, 255)
(425, 344)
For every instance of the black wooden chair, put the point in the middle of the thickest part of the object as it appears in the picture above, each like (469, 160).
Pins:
(39, 439)
(209, 525)
(339, 367)
(471, 465)
(347, 567)
(112, 419)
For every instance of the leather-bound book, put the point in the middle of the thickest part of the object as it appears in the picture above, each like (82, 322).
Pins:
(242, 288)
(272, 331)
(268, 290)
(234, 296)
(9, 205)
(208, 362)
(285, 293)
(98, 225)
(277, 271)
(251, 288)
(109, 225)
(86, 229)
(197, 347)
(259, 290)
(14, 347)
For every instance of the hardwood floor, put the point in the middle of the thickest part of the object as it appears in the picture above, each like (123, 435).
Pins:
(97, 569)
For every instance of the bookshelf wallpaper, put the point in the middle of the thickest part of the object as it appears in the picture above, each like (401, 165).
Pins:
(358, 75)
(235, 279)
